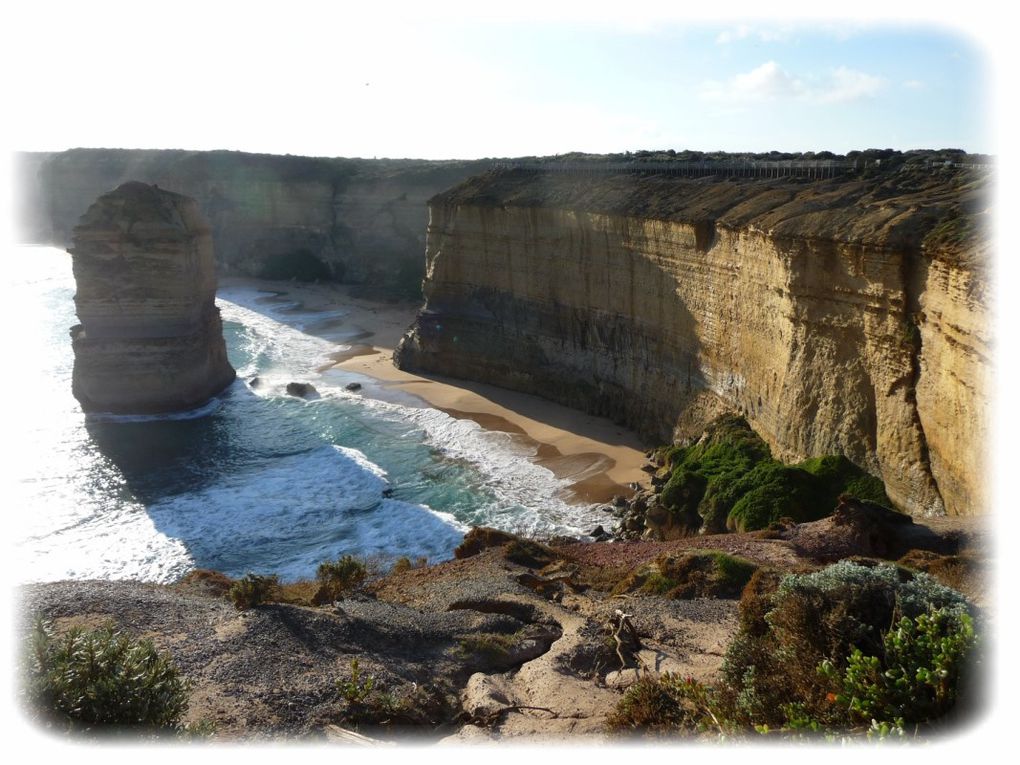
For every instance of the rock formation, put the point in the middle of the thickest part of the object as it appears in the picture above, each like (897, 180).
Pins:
(353, 220)
(150, 338)
(841, 316)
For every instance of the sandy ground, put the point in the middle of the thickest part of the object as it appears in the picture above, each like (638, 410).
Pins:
(599, 457)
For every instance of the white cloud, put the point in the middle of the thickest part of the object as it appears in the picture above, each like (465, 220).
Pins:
(848, 85)
(770, 82)
(913, 85)
(744, 31)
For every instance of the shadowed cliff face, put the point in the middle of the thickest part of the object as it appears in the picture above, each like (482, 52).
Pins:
(811, 308)
(363, 221)
(150, 338)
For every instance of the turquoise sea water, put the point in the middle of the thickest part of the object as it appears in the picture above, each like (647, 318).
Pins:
(257, 481)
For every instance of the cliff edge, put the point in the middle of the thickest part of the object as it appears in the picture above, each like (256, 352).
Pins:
(841, 315)
(150, 339)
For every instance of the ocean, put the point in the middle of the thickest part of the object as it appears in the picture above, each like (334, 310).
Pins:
(256, 481)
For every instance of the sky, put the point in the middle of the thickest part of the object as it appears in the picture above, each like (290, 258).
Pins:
(442, 80)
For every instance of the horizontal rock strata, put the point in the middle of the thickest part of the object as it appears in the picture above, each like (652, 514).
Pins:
(150, 338)
(829, 313)
(353, 220)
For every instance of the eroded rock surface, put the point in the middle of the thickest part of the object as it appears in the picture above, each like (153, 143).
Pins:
(150, 338)
(846, 316)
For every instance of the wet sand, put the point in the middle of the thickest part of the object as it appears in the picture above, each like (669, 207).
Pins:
(598, 457)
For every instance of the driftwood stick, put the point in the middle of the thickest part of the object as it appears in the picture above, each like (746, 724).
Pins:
(621, 621)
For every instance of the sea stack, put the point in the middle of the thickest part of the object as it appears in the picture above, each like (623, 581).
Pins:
(150, 339)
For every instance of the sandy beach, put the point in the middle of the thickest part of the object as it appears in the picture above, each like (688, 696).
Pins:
(598, 457)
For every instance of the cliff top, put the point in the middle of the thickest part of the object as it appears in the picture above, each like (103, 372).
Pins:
(173, 216)
(922, 204)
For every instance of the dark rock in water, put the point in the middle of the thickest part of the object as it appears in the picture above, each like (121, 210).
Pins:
(255, 382)
(353, 386)
(150, 339)
(620, 501)
(599, 534)
(301, 390)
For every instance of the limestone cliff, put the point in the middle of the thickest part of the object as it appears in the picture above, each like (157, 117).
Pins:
(359, 221)
(150, 338)
(841, 316)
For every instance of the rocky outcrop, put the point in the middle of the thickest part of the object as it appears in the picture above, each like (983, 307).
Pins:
(352, 220)
(842, 316)
(150, 338)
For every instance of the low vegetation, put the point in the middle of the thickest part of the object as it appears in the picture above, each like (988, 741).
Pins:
(728, 480)
(253, 590)
(696, 574)
(850, 648)
(338, 579)
(365, 702)
(103, 680)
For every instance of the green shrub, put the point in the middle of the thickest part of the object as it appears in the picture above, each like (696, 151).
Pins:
(840, 476)
(729, 480)
(772, 491)
(354, 689)
(666, 704)
(253, 590)
(90, 679)
(850, 648)
(683, 491)
(695, 574)
(814, 620)
(339, 578)
(917, 675)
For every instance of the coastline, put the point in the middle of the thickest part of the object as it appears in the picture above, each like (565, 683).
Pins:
(598, 457)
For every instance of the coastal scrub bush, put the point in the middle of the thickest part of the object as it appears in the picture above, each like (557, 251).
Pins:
(915, 678)
(339, 578)
(666, 704)
(253, 590)
(850, 648)
(839, 475)
(103, 679)
(818, 620)
(697, 574)
(728, 480)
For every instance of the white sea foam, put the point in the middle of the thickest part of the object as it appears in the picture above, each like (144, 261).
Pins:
(204, 410)
(527, 496)
(284, 514)
(296, 511)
